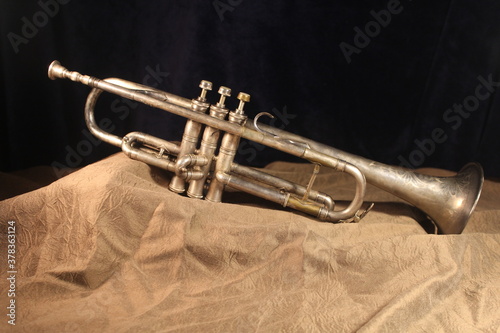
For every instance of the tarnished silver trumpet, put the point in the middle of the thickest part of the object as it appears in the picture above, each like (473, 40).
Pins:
(448, 201)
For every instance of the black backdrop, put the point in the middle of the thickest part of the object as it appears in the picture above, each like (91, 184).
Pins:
(405, 82)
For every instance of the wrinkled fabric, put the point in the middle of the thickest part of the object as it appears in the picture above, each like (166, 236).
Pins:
(109, 248)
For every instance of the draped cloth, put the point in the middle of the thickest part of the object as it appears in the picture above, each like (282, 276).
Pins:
(109, 248)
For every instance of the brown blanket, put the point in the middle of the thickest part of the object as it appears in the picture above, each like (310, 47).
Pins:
(109, 249)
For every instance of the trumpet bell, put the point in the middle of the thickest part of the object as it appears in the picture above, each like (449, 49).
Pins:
(454, 198)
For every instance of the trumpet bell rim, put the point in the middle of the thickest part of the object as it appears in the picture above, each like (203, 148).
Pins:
(471, 179)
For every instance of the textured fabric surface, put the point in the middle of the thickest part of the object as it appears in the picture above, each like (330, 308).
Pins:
(109, 249)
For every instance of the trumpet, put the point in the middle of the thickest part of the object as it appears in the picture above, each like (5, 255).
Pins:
(203, 163)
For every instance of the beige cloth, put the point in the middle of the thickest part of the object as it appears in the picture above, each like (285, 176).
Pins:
(109, 249)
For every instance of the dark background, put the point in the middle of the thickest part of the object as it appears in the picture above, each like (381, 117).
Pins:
(384, 105)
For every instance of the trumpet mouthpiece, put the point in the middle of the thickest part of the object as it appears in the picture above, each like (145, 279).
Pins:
(56, 70)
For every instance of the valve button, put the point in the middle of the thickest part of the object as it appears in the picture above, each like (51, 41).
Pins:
(244, 97)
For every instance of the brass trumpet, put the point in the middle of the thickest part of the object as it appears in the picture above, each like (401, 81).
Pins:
(447, 201)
